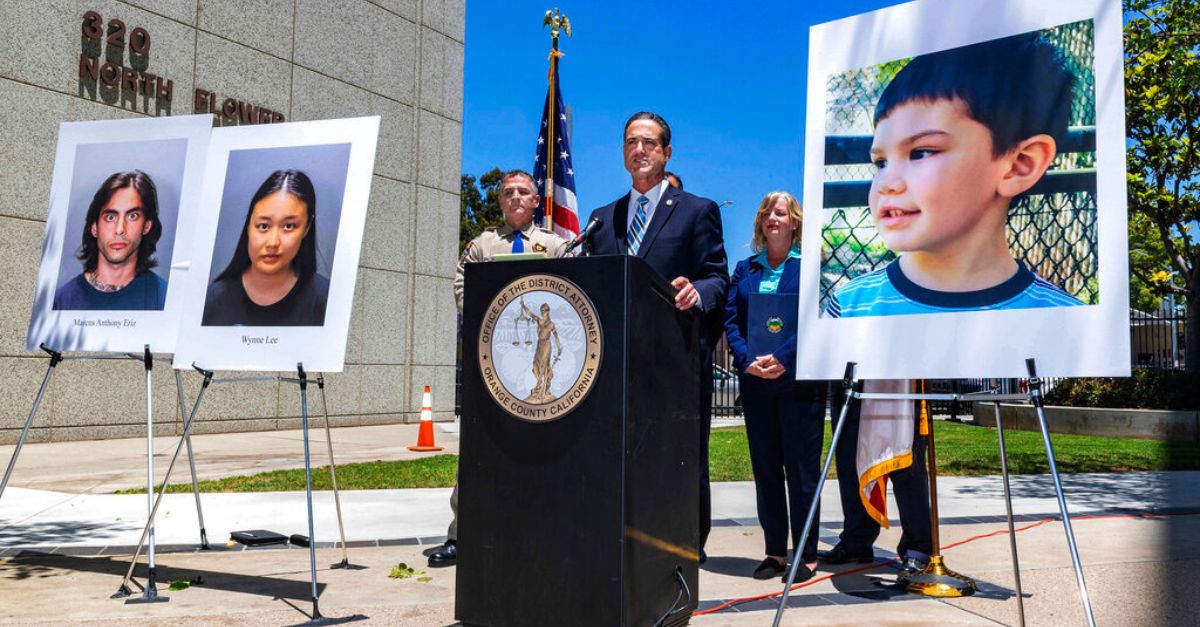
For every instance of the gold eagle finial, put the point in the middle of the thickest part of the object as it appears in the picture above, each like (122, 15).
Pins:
(557, 21)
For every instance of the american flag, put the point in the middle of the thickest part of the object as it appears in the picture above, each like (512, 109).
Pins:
(566, 209)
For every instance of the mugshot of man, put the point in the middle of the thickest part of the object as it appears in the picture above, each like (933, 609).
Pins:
(120, 235)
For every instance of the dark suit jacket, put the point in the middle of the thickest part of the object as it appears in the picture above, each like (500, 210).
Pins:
(684, 238)
(747, 277)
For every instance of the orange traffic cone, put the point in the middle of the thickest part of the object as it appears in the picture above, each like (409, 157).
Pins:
(425, 435)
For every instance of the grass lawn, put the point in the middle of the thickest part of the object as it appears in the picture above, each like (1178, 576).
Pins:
(961, 450)
(437, 471)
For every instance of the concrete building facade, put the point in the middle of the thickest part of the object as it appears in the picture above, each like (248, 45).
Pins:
(265, 61)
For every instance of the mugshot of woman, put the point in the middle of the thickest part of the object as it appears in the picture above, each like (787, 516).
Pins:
(272, 278)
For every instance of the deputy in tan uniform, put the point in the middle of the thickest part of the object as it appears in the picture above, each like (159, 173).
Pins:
(518, 200)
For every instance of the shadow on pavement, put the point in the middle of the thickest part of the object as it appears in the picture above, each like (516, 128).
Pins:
(1108, 492)
(59, 532)
(325, 620)
(873, 584)
(28, 564)
(881, 584)
(1179, 543)
(733, 566)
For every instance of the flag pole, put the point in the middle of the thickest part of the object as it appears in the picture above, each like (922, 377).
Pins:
(936, 580)
(557, 21)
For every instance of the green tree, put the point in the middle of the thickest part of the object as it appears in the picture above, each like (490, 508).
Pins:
(1162, 100)
(479, 206)
(1147, 261)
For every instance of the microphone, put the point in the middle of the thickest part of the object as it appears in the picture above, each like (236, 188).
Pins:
(586, 234)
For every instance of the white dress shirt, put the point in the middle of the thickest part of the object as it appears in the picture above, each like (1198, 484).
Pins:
(653, 195)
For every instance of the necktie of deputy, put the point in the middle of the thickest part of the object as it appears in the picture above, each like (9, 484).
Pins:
(638, 228)
(518, 245)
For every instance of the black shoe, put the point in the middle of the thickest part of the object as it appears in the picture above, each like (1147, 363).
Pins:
(447, 555)
(703, 556)
(803, 573)
(769, 568)
(839, 555)
(910, 566)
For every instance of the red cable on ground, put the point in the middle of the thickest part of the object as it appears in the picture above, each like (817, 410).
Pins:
(732, 602)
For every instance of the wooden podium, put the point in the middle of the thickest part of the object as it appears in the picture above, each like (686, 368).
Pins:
(589, 516)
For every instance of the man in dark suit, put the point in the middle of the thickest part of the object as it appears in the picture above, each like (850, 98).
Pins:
(680, 236)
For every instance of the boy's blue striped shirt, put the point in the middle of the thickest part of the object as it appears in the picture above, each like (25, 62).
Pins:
(887, 292)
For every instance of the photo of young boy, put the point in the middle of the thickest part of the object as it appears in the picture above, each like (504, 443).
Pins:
(965, 186)
(960, 134)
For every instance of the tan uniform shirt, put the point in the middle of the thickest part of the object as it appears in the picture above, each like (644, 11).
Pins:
(498, 240)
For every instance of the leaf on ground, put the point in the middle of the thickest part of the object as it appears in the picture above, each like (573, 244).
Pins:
(181, 584)
(404, 571)
(424, 579)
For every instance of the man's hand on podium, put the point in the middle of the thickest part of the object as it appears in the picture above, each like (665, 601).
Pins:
(687, 297)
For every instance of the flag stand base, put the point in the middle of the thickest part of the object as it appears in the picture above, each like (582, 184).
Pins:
(936, 580)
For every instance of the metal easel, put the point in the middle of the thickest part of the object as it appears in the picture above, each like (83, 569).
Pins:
(853, 388)
(150, 592)
(302, 381)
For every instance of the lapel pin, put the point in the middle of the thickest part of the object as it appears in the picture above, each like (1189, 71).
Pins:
(670, 202)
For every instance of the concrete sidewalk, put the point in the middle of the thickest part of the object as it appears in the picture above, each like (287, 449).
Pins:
(60, 526)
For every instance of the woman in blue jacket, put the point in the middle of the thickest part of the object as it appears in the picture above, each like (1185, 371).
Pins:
(784, 417)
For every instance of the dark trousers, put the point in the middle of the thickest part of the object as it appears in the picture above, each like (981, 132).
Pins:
(910, 486)
(706, 394)
(785, 428)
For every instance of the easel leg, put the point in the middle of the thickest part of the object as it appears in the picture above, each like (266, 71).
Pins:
(124, 590)
(1012, 532)
(851, 387)
(337, 499)
(55, 358)
(312, 541)
(150, 592)
(192, 464)
(1035, 395)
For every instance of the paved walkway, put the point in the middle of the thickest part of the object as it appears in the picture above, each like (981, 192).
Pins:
(62, 532)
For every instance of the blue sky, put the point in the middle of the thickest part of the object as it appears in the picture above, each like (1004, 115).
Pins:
(729, 79)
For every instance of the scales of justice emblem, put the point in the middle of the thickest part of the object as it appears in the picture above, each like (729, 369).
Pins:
(540, 347)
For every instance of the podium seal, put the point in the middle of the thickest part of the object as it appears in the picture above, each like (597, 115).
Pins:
(540, 347)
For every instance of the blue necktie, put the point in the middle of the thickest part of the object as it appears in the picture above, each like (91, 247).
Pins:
(518, 245)
(638, 228)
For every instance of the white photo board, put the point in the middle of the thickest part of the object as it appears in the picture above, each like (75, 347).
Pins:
(969, 218)
(277, 246)
(118, 227)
